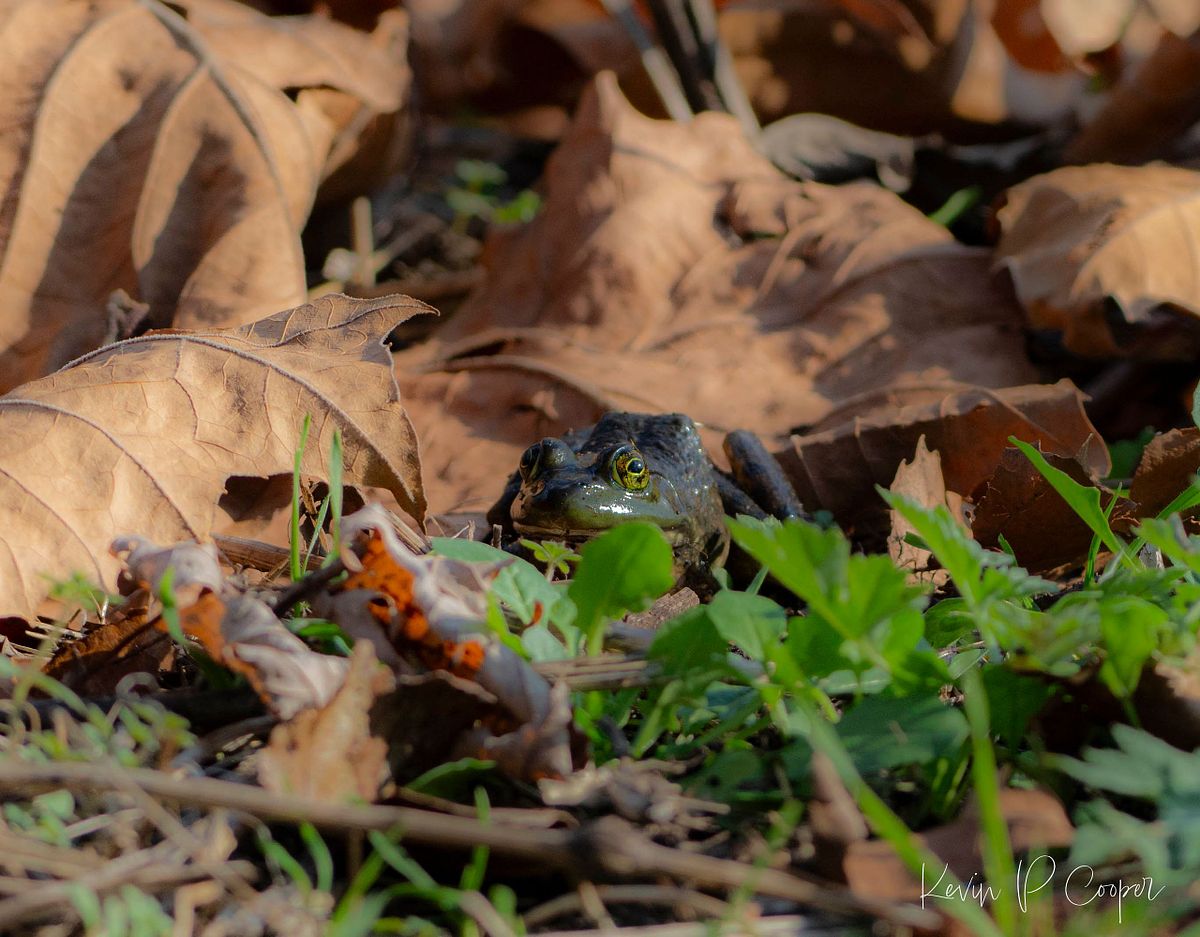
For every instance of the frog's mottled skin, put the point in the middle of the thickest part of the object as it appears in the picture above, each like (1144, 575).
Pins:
(572, 495)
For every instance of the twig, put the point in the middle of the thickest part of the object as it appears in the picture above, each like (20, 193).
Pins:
(654, 60)
(362, 239)
(306, 586)
(258, 555)
(143, 868)
(784, 925)
(724, 75)
(482, 912)
(672, 22)
(609, 847)
(671, 895)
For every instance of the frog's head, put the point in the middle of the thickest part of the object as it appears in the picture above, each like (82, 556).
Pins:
(577, 496)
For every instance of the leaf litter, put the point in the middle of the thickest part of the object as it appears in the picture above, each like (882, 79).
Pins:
(671, 267)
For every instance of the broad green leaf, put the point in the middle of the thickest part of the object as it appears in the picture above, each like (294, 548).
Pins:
(885, 732)
(865, 600)
(1130, 629)
(1013, 700)
(541, 645)
(752, 622)
(622, 570)
(519, 586)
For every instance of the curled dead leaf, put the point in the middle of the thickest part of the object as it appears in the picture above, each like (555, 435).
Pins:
(242, 633)
(1165, 469)
(429, 613)
(920, 480)
(1104, 253)
(329, 753)
(194, 567)
(142, 435)
(172, 151)
(123, 644)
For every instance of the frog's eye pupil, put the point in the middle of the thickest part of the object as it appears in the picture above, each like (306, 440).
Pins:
(628, 469)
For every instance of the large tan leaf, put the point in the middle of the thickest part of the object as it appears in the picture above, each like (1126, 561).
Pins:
(673, 268)
(141, 436)
(1078, 238)
(171, 151)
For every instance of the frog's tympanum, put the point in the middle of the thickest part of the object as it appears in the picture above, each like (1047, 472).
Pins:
(631, 467)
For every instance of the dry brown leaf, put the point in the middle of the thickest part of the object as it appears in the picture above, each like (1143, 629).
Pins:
(673, 268)
(1078, 239)
(238, 630)
(141, 436)
(1082, 26)
(154, 148)
(329, 753)
(125, 643)
(920, 480)
(838, 468)
(1148, 111)
(1034, 818)
(1018, 503)
(245, 635)
(1166, 468)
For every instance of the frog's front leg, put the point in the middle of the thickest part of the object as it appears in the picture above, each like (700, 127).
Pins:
(760, 478)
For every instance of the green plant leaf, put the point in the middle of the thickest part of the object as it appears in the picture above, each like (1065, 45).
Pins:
(519, 586)
(1013, 699)
(622, 570)
(885, 732)
(752, 622)
(1130, 629)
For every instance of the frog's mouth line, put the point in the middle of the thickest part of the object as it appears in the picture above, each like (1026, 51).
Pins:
(674, 537)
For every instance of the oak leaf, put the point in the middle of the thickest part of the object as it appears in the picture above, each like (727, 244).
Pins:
(142, 435)
(170, 151)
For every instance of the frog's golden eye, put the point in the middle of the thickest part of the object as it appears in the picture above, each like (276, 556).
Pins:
(529, 461)
(629, 469)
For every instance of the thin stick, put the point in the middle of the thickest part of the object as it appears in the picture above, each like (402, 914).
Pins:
(362, 237)
(655, 61)
(724, 75)
(609, 847)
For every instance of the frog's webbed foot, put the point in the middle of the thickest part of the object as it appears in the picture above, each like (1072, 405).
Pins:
(759, 481)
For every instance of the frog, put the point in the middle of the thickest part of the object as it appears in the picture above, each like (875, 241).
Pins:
(642, 467)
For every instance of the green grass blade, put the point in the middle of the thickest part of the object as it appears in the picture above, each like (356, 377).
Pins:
(295, 566)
